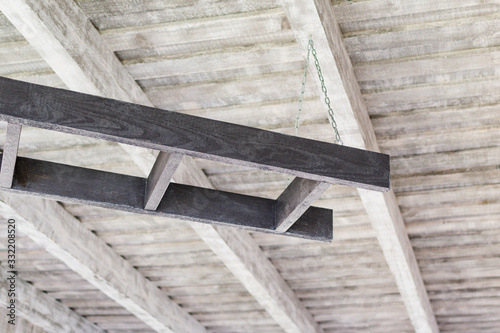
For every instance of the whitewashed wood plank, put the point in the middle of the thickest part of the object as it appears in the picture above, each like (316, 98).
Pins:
(387, 8)
(479, 92)
(463, 159)
(459, 66)
(234, 92)
(113, 14)
(450, 179)
(242, 43)
(442, 141)
(392, 22)
(245, 24)
(446, 118)
(230, 62)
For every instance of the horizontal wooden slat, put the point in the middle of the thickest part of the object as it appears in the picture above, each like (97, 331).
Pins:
(147, 127)
(122, 192)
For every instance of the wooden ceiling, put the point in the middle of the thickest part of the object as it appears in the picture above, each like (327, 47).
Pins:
(419, 80)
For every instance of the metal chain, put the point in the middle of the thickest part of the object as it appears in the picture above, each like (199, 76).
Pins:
(302, 91)
(323, 88)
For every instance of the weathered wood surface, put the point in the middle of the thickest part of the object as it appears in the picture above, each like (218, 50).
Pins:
(79, 185)
(9, 154)
(416, 131)
(295, 200)
(94, 44)
(40, 309)
(51, 227)
(113, 120)
(159, 178)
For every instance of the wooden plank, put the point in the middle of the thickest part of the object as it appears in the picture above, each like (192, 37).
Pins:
(295, 200)
(68, 183)
(112, 120)
(117, 14)
(9, 154)
(42, 310)
(159, 178)
(50, 226)
(316, 18)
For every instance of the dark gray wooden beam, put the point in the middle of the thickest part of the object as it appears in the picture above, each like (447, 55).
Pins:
(295, 200)
(122, 192)
(81, 114)
(159, 178)
(10, 154)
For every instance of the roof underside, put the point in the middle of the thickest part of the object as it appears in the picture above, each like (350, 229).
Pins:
(429, 73)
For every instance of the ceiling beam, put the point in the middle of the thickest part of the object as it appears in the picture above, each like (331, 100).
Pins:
(63, 236)
(63, 36)
(40, 309)
(316, 18)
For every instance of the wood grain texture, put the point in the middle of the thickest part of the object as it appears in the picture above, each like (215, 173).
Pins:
(9, 154)
(159, 178)
(79, 185)
(53, 228)
(42, 310)
(179, 133)
(295, 200)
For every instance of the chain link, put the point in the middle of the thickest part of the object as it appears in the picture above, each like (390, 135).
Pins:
(302, 91)
(310, 47)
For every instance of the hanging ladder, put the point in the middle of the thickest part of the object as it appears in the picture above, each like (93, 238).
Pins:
(315, 164)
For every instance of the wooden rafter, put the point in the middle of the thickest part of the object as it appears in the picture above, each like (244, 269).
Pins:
(316, 18)
(42, 30)
(42, 310)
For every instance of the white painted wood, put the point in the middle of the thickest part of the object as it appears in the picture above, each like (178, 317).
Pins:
(316, 18)
(9, 154)
(63, 236)
(79, 55)
(42, 310)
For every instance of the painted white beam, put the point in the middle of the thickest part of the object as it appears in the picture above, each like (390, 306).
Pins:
(65, 38)
(316, 18)
(40, 309)
(63, 236)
